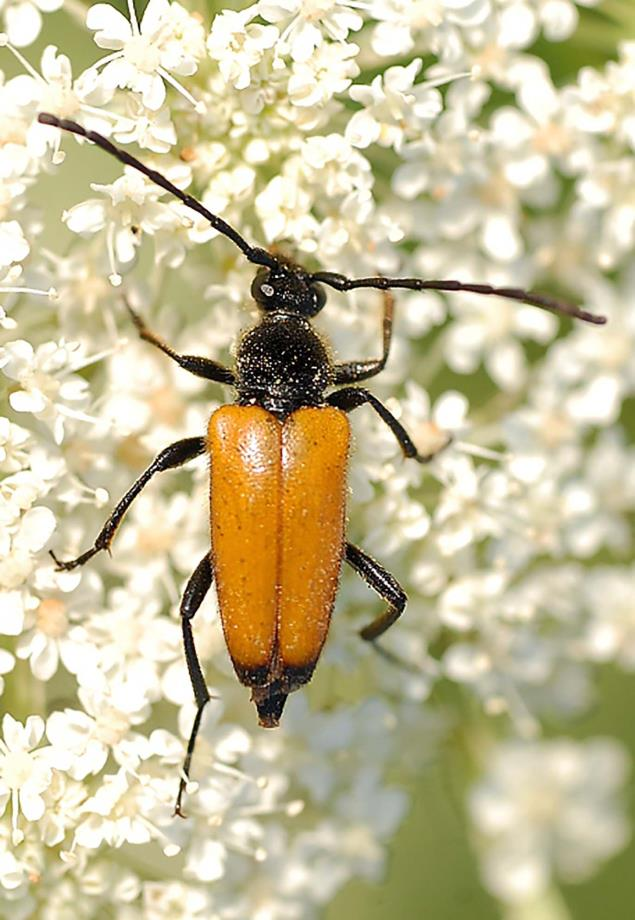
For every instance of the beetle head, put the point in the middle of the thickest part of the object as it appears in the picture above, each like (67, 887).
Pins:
(287, 288)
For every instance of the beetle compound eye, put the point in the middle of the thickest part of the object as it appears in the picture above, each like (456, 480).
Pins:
(320, 296)
(261, 288)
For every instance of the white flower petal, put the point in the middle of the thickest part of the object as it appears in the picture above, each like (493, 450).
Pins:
(33, 731)
(12, 613)
(111, 27)
(31, 804)
(27, 401)
(36, 528)
(13, 732)
(87, 217)
(44, 660)
(154, 12)
(23, 23)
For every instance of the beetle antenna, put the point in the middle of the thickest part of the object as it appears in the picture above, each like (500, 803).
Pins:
(253, 253)
(342, 283)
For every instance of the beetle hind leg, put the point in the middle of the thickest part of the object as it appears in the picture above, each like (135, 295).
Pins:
(195, 591)
(385, 584)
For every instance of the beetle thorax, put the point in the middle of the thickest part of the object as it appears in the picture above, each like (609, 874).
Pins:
(282, 364)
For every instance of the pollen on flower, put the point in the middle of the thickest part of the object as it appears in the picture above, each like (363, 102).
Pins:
(51, 617)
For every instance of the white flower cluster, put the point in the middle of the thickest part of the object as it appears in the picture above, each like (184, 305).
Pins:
(315, 127)
(548, 806)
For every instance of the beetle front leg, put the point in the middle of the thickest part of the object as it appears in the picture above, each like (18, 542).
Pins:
(195, 591)
(354, 371)
(195, 364)
(385, 584)
(175, 455)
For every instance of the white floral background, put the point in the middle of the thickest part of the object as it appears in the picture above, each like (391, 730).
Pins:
(487, 140)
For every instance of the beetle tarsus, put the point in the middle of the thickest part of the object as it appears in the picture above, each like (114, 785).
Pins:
(178, 810)
(426, 458)
(69, 564)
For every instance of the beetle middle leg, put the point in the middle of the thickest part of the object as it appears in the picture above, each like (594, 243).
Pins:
(195, 591)
(175, 455)
(195, 364)
(385, 584)
(350, 398)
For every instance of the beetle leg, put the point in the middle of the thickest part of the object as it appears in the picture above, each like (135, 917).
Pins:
(354, 371)
(196, 589)
(195, 364)
(351, 397)
(175, 455)
(385, 584)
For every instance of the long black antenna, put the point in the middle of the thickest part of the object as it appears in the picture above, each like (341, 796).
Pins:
(342, 283)
(253, 253)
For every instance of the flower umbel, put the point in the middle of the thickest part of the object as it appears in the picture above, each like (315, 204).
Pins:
(398, 138)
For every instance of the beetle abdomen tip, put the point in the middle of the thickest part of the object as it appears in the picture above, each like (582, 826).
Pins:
(270, 708)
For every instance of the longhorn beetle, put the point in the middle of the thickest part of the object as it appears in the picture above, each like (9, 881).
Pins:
(278, 459)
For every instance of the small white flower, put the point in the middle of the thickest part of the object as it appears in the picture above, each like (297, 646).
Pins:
(239, 46)
(140, 125)
(13, 244)
(309, 20)
(548, 808)
(284, 211)
(116, 634)
(23, 18)
(558, 19)
(176, 900)
(168, 40)
(62, 599)
(471, 506)
(53, 90)
(490, 328)
(120, 812)
(432, 427)
(92, 734)
(48, 386)
(610, 632)
(14, 447)
(400, 22)
(133, 209)
(25, 770)
(327, 72)
(394, 109)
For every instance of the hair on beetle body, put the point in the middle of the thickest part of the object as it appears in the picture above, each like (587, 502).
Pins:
(279, 457)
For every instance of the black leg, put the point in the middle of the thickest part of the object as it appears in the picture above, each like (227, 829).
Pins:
(351, 397)
(354, 371)
(175, 455)
(385, 584)
(202, 367)
(196, 589)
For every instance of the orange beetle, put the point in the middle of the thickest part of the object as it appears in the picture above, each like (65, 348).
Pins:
(278, 460)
